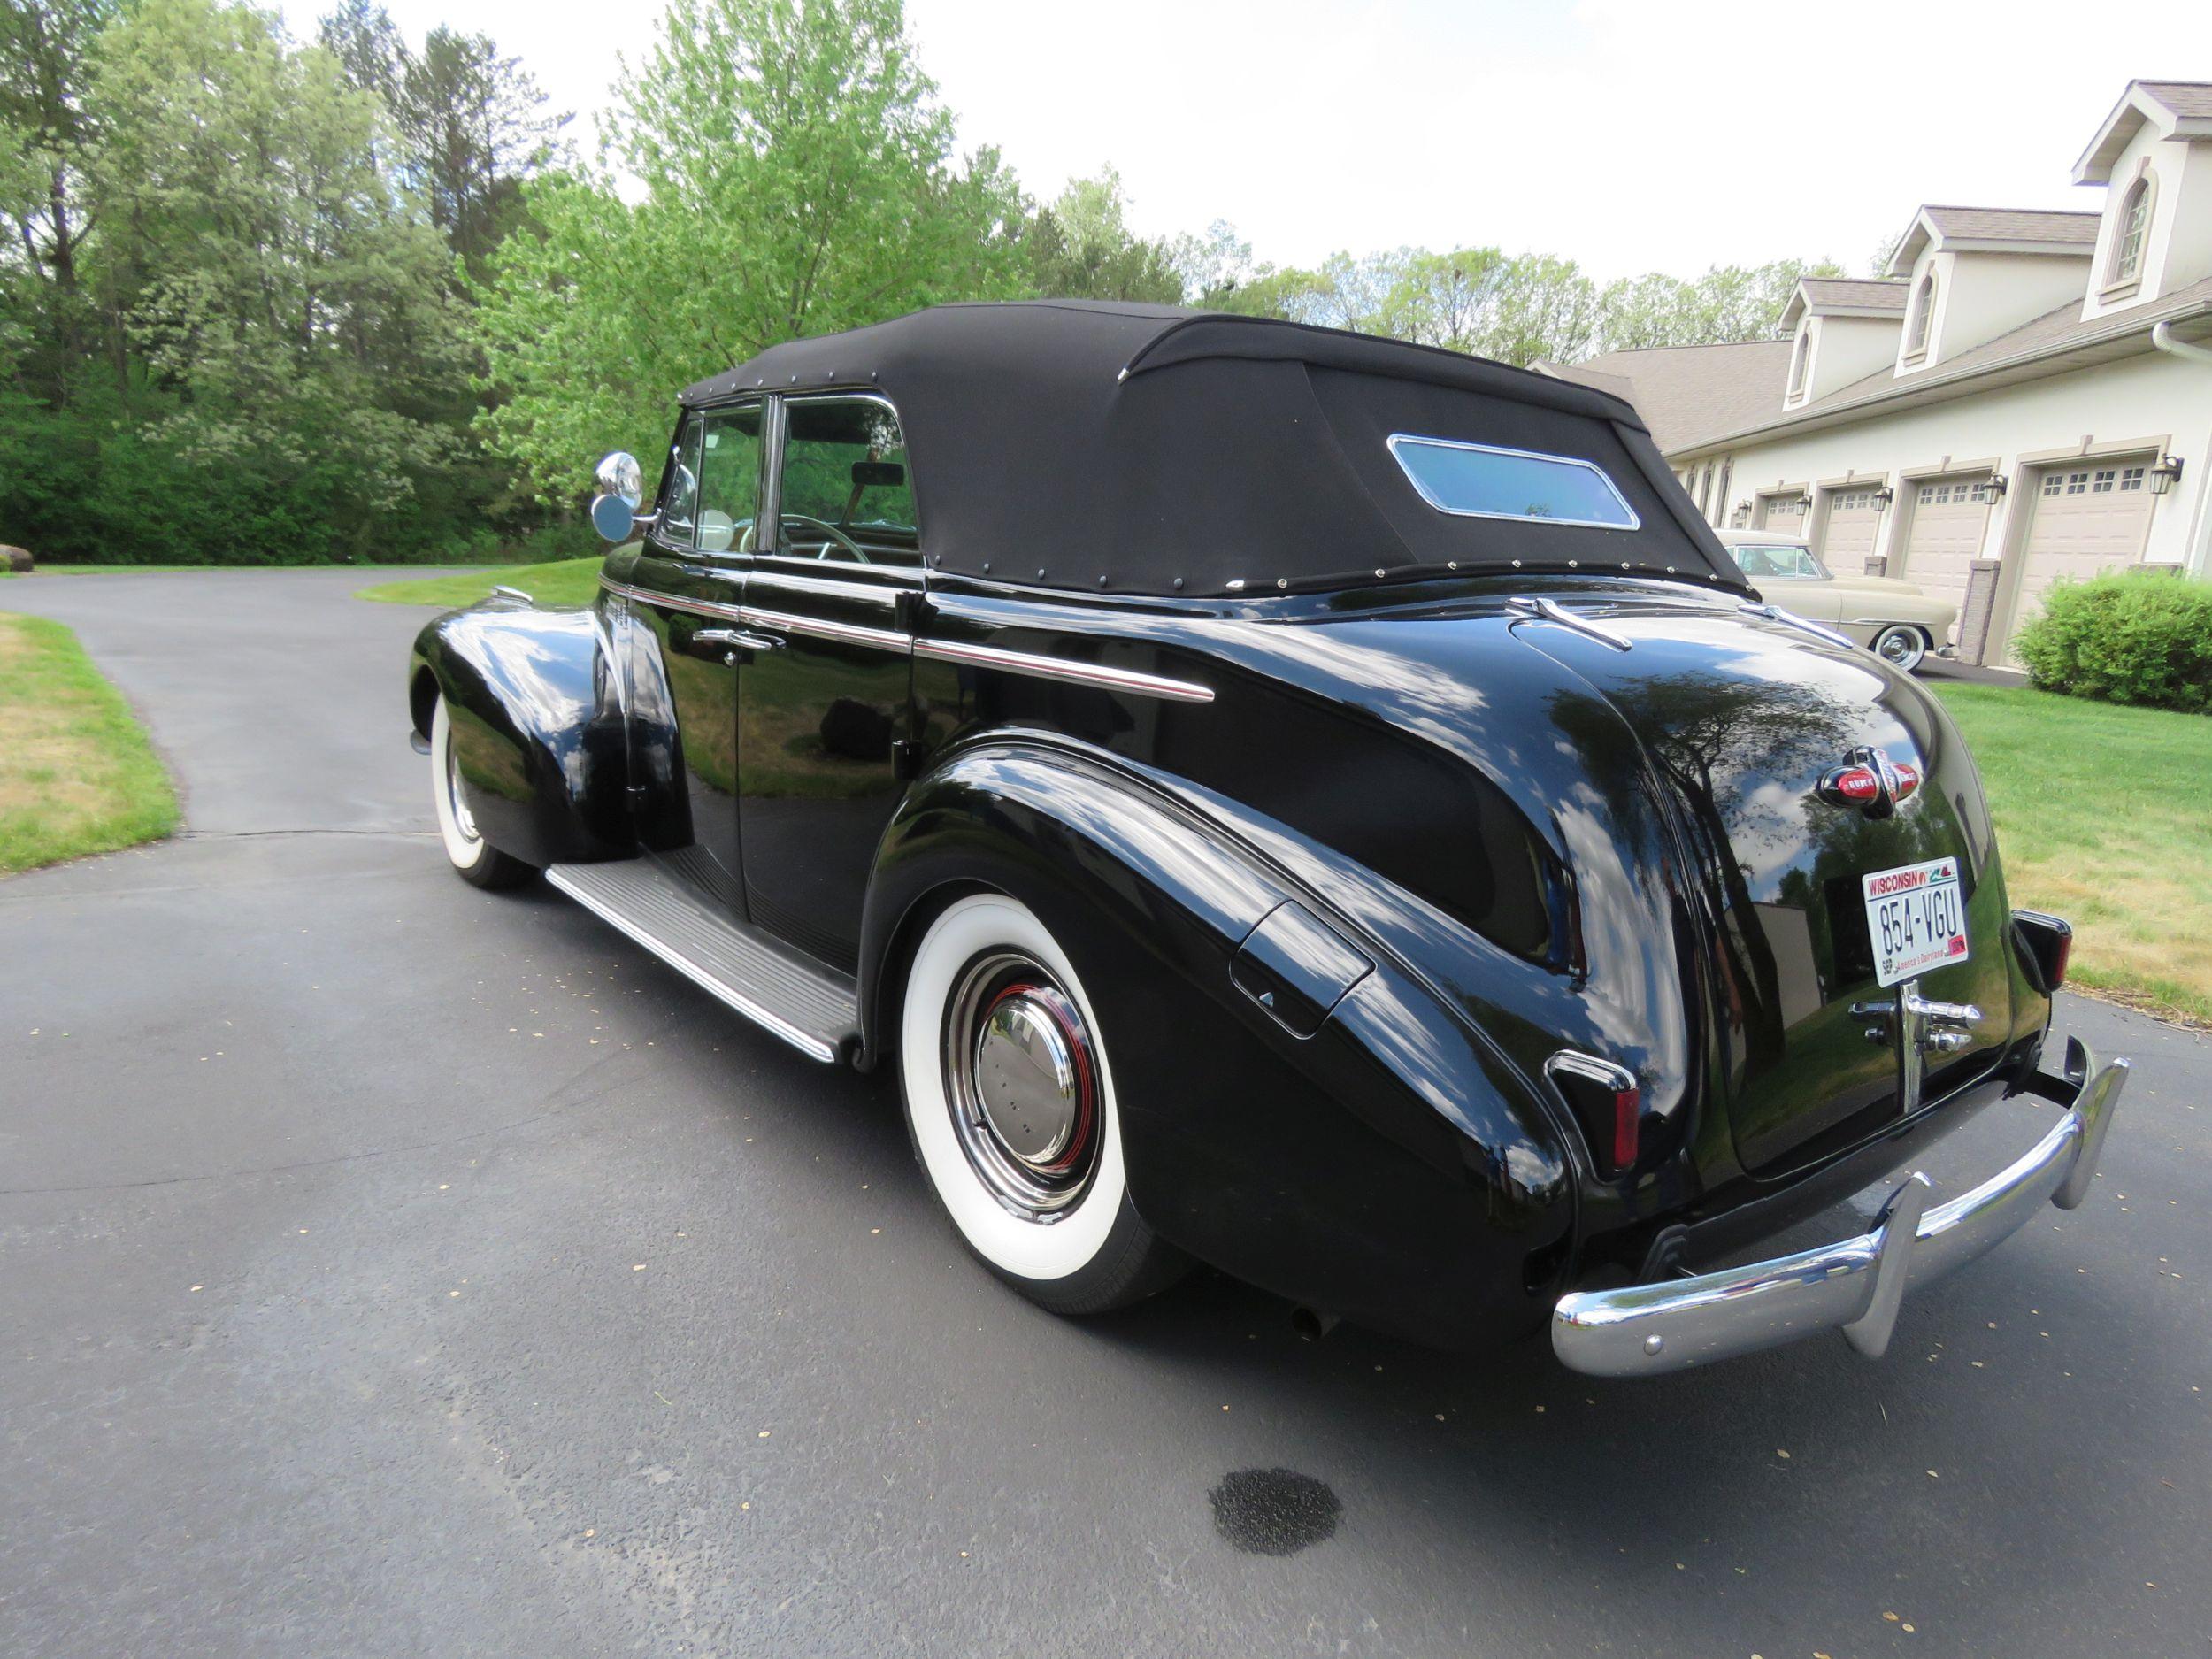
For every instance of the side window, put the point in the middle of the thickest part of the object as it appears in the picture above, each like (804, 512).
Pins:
(679, 486)
(847, 493)
(729, 480)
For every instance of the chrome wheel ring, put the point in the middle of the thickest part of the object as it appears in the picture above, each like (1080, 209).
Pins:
(1021, 1082)
(1900, 647)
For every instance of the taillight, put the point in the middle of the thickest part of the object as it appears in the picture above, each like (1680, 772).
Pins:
(1607, 1104)
(2047, 942)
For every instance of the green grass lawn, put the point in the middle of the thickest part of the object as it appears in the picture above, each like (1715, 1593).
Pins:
(561, 582)
(2104, 816)
(77, 775)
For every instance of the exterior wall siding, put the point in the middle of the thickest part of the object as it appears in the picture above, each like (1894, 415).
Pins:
(2152, 400)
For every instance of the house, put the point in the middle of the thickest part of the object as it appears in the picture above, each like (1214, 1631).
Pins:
(2020, 396)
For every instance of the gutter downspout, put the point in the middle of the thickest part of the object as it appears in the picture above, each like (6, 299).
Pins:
(2200, 555)
(2162, 337)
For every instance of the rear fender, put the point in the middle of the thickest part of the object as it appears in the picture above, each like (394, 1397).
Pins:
(1390, 1167)
(535, 699)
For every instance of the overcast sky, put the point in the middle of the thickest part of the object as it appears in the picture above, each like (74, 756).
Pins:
(1628, 135)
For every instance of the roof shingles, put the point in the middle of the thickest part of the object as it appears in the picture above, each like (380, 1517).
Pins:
(1684, 392)
(2011, 224)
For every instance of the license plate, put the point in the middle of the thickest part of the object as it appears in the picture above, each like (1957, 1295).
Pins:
(1914, 917)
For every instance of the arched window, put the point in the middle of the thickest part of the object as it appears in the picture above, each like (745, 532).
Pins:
(2134, 230)
(1797, 359)
(1923, 314)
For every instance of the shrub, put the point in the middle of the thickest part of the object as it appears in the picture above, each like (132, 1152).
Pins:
(2136, 637)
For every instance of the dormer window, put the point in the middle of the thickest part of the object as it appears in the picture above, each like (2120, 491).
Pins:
(1923, 299)
(2134, 230)
(1797, 362)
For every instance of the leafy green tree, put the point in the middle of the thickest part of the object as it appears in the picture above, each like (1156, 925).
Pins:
(795, 175)
(45, 129)
(290, 317)
(471, 123)
(1081, 248)
(1727, 303)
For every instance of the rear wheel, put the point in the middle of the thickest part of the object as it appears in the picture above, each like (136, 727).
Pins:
(475, 859)
(1901, 645)
(1009, 1099)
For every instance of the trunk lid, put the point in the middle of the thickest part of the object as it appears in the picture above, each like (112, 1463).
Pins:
(1740, 721)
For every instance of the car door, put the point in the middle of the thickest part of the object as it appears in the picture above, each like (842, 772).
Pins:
(824, 713)
(688, 580)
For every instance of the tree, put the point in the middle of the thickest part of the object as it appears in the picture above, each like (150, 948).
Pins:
(1727, 303)
(472, 125)
(1215, 266)
(797, 177)
(45, 129)
(281, 314)
(1081, 248)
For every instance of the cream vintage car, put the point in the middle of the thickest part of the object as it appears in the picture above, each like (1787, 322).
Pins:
(1896, 620)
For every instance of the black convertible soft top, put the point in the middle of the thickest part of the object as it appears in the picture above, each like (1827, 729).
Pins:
(1146, 449)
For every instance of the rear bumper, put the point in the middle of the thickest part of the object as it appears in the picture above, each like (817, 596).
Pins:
(1856, 1285)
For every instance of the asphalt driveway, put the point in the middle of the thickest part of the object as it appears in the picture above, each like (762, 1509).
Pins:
(388, 1268)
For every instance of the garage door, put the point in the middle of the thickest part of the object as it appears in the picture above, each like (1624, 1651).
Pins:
(1784, 513)
(1848, 541)
(2087, 519)
(1945, 537)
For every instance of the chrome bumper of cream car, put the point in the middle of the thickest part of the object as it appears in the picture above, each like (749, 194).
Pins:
(1855, 1285)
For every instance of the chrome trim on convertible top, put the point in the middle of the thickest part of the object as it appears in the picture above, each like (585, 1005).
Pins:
(1853, 1285)
(1035, 667)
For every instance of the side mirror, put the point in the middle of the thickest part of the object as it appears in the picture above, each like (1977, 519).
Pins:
(622, 486)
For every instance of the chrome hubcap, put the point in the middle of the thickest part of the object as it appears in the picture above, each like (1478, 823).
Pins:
(1021, 1080)
(1898, 648)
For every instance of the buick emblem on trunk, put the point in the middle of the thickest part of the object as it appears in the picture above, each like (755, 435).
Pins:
(1872, 781)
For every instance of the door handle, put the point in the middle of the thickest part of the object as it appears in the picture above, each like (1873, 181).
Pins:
(713, 642)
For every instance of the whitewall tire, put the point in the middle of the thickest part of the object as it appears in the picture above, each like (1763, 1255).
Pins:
(1009, 1100)
(1901, 645)
(473, 858)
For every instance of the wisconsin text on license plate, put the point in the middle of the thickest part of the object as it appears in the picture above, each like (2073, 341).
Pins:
(1914, 917)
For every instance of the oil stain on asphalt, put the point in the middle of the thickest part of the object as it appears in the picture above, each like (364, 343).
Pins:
(1273, 1511)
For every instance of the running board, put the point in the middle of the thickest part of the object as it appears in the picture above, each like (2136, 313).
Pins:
(810, 1007)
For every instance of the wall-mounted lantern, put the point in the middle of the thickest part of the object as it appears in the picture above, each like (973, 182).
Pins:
(1883, 497)
(1804, 501)
(2166, 474)
(1990, 491)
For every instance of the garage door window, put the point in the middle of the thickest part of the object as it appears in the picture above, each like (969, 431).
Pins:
(2107, 480)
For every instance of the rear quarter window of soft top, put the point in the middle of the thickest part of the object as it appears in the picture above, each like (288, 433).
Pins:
(1479, 480)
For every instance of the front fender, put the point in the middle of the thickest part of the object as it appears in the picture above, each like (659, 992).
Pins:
(1392, 1167)
(534, 696)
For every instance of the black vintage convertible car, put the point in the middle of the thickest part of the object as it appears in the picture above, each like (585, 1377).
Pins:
(1317, 805)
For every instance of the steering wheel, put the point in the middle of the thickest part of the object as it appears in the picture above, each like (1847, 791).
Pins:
(832, 532)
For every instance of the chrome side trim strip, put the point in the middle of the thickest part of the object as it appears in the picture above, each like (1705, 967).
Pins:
(1063, 668)
(1037, 667)
(805, 1042)
(1854, 1285)
(695, 607)
(823, 628)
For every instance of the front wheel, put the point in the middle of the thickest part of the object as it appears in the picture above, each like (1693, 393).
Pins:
(1901, 645)
(475, 859)
(1009, 1099)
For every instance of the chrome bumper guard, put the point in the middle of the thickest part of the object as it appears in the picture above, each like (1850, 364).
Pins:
(1855, 1285)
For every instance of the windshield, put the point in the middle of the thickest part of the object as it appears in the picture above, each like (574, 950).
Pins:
(1760, 560)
